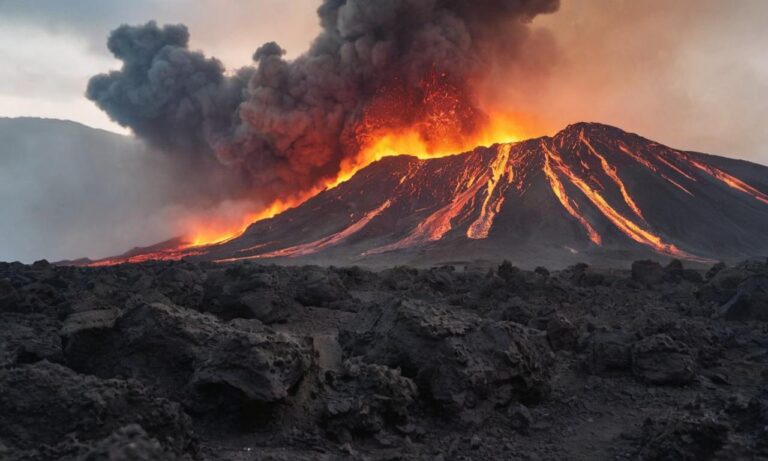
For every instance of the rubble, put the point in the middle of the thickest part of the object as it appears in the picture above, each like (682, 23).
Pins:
(185, 361)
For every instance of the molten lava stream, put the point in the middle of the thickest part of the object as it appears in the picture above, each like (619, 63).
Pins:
(629, 228)
(500, 128)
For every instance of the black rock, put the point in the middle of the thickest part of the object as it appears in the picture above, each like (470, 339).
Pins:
(660, 359)
(458, 360)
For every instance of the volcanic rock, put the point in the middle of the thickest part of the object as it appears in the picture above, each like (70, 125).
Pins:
(682, 437)
(249, 292)
(647, 272)
(173, 348)
(44, 406)
(129, 443)
(660, 359)
(750, 301)
(591, 193)
(457, 359)
(364, 399)
(609, 351)
(28, 339)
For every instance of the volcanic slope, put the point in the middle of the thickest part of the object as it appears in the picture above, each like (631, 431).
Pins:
(591, 193)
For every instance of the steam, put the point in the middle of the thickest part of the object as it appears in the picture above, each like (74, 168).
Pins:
(281, 127)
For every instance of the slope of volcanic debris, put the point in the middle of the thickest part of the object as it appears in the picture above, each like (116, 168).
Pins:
(592, 193)
(182, 360)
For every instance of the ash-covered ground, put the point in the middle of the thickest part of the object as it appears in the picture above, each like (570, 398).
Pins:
(164, 361)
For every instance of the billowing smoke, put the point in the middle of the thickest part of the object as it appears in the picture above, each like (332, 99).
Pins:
(281, 127)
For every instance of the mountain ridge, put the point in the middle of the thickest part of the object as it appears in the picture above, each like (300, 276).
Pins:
(591, 192)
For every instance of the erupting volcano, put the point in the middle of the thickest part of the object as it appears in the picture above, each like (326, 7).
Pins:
(590, 193)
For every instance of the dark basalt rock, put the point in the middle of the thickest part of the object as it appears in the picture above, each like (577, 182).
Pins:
(682, 437)
(455, 362)
(608, 351)
(750, 301)
(459, 360)
(177, 349)
(44, 406)
(365, 399)
(647, 272)
(249, 292)
(318, 287)
(660, 359)
(130, 443)
(28, 338)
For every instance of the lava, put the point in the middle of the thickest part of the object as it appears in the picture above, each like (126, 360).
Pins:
(492, 204)
(611, 172)
(305, 249)
(436, 118)
(731, 181)
(568, 204)
(625, 225)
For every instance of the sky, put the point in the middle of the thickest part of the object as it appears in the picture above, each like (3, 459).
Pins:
(689, 73)
(692, 74)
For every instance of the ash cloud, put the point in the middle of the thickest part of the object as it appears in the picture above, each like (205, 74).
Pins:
(284, 126)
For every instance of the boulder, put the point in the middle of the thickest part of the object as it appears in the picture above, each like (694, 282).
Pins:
(750, 302)
(130, 443)
(659, 359)
(457, 359)
(682, 437)
(561, 333)
(249, 292)
(608, 351)
(365, 399)
(319, 287)
(28, 338)
(647, 272)
(44, 405)
(176, 349)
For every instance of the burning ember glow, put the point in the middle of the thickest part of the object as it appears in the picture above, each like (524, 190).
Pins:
(438, 121)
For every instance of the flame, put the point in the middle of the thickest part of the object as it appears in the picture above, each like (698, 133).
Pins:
(499, 128)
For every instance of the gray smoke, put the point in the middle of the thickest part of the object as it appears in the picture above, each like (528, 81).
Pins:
(282, 127)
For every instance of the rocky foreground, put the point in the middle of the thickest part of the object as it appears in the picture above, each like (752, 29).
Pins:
(163, 361)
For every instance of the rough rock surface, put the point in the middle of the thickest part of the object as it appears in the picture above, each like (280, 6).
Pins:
(458, 359)
(187, 361)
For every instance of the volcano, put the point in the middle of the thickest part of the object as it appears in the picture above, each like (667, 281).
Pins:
(591, 193)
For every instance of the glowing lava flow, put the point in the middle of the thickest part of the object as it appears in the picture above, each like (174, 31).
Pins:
(306, 249)
(629, 228)
(500, 128)
(731, 181)
(570, 206)
(482, 226)
(611, 172)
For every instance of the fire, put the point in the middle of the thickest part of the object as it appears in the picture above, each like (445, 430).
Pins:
(499, 128)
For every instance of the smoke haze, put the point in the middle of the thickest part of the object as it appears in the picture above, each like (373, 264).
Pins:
(283, 127)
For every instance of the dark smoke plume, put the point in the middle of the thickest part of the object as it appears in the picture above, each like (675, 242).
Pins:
(282, 127)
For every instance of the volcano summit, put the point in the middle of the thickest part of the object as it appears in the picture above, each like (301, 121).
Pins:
(591, 193)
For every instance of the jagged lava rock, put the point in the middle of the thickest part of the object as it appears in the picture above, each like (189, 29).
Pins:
(458, 359)
(43, 404)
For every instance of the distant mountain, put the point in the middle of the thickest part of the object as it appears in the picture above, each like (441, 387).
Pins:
(67, 190)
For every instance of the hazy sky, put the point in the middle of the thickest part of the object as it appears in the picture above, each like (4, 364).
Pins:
(690, 73)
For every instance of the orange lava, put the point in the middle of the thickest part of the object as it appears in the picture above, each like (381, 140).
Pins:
(731, 181)
(499, 128)
(611, 172)
(570, 206)
(625, 225)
